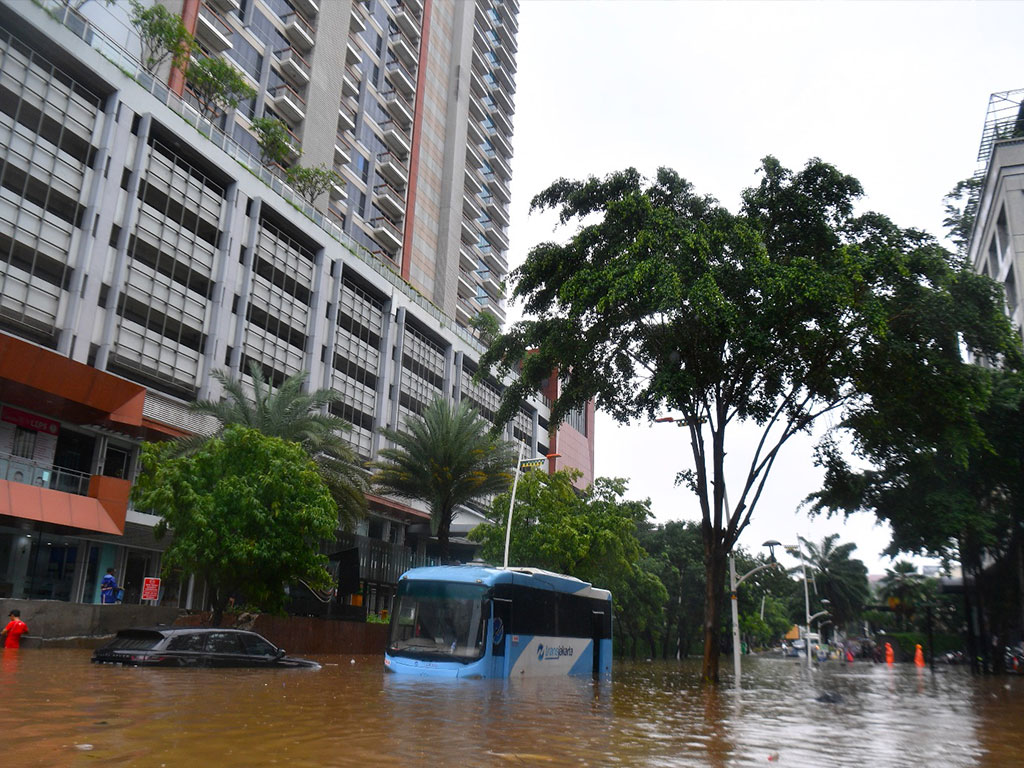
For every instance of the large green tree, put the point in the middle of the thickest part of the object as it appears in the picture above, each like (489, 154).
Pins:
(904, 589)
(290, 413)
(246, 512)
(840, 579)
(791, 309)
(590, 534)
(446, 457)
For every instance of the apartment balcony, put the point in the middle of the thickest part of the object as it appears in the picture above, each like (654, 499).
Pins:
(350, 80)
(473, 157)
(476, 108)
(400, 77)
(469, 232)
(346, 120)
(477, 61)
(407, 21)
(357, 23)
(398, 107)
(299, 31)
(493, 260)
(470, 208)
(501, 144)
(288, 103)
(497, 237)
(508, 61)
(224, 6)
(387, 233)
(472, 182)
(504, 78)
(414, 6)
(498, 213)
(393, 168)
(507, 37)
(337, 189)
(474, 133)
(464, 311)
(490, 285)
(476, 84)
(508, 18)
(405, 50)
(308, 8)
(501, 121)
(499, 165)
(467, 259)
(342, 150)
(212, 31)
(294, 68)
(467, 285)
(397, 140)
(352, 54)
(503, 100)
(389, 200)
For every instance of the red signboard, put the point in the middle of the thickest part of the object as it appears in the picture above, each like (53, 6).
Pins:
(150, 588)
(27, 420)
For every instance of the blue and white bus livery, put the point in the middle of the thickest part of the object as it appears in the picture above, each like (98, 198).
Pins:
(479, 622)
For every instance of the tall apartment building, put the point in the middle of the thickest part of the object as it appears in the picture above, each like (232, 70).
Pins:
(142, 248)
(997, 242)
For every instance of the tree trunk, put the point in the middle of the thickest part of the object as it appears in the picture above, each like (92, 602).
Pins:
(713, 598)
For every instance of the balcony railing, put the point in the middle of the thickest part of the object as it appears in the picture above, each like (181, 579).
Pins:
(16, 469)
(381, 561)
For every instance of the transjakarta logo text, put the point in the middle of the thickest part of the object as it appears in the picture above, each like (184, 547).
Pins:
(553, 652)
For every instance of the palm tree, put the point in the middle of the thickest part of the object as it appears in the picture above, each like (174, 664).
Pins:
(844, 582)
(445, 457)
(291, 414)
(903, 588)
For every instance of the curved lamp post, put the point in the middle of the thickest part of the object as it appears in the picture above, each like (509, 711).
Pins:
(521, 464)
(794, 549)
(733, 584)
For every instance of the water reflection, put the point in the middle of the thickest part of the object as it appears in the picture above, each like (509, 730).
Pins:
(59, 710)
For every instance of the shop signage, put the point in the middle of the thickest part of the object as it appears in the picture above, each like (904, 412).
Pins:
(150, 588)
(27, 420)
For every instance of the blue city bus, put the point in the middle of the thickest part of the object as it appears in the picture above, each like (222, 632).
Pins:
(476, 621)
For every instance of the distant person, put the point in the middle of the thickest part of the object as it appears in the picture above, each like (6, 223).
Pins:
(108, 588)
(14, 630)
(19, 477)
(890, 655)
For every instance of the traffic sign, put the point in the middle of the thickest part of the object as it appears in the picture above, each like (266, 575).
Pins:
(150, 588)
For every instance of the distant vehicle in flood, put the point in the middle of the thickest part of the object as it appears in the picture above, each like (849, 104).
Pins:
(194, 647)
(470, 621)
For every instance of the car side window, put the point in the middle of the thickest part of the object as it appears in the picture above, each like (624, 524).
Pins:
(223, 642)
(257, 646)
(189, 642)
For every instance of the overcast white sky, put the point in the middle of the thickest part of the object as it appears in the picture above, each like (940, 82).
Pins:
(893, 93)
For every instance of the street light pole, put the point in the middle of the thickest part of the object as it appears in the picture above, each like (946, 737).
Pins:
(733, 585)
(512, 502)
(511, 505)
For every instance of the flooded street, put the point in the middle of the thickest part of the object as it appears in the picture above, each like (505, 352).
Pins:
(60, 710)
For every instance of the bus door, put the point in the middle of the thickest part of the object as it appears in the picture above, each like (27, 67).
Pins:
(501, 624)
(597, 624)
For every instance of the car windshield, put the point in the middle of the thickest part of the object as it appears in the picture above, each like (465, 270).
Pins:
(435, 619)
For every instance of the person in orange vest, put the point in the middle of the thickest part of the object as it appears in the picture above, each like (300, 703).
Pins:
(918, 655)
(890, 657)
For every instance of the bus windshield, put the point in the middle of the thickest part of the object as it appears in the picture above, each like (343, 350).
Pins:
(438, 620)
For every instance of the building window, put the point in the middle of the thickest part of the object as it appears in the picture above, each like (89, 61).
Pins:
(577, 419)
(24, 443)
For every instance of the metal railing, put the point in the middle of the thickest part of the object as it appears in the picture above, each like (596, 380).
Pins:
(17, 469)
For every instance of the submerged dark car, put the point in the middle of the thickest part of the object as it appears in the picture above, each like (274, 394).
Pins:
(194, 647)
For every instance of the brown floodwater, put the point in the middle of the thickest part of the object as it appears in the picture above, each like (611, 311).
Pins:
(57, 709)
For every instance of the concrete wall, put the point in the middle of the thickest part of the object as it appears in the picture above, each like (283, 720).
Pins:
(54, 622)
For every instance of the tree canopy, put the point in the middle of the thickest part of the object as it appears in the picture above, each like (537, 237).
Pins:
(445, 457)
(292, 414)
(246, 510)
(840, 579)
(793, 308)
